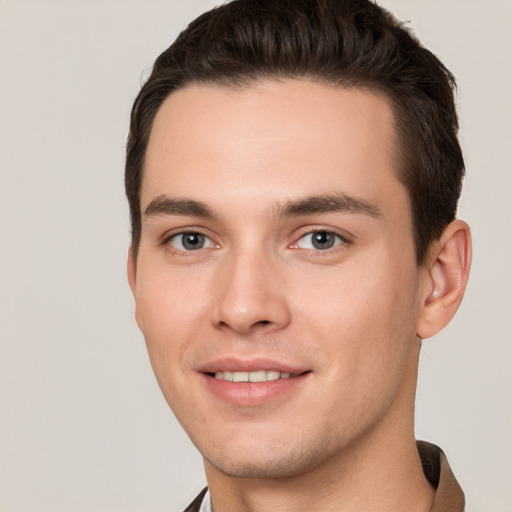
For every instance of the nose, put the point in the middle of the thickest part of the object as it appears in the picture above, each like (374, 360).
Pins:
(250, 294)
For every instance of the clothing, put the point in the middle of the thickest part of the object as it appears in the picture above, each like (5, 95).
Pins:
(195, 506)
(448, 498)
(206, 505)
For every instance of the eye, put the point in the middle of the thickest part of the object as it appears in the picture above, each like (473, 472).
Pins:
(190, 241)
(319, 240)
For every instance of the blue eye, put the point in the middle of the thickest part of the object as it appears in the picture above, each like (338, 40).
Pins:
(190, 241)
(319, 240)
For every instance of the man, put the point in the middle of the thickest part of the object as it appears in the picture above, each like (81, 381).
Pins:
(293, 173)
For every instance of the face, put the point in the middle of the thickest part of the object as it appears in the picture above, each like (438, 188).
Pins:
(276, 283)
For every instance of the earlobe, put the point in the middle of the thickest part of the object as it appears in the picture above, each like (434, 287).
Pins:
(131, 268)
(447, 275)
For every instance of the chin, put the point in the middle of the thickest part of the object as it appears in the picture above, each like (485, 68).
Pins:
(261, 469)
(261, 463)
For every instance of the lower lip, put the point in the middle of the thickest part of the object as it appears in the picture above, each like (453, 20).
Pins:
(251, 393)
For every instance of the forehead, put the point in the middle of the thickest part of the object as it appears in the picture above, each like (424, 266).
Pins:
(269, 141)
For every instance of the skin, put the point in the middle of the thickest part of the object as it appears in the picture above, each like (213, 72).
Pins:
(352, 315)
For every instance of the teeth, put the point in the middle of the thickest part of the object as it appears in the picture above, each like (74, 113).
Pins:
(257, 376)
(240, 376)
(260, 376)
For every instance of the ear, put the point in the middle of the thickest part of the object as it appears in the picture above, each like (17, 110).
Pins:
(447, 272)
(131, 268)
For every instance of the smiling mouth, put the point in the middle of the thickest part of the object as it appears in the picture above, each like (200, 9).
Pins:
(249, 384)
(254, 376)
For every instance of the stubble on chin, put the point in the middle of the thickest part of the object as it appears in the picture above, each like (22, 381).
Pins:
(298, 458)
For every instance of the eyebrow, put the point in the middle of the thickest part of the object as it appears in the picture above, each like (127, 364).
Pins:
(327, 203)
(164, 205)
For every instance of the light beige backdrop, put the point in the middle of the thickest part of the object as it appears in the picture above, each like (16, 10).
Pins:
(82, 424)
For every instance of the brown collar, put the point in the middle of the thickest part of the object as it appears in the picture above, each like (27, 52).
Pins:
(449, 496)
(195, 506)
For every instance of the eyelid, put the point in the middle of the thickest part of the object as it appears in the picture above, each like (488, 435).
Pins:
(168, 236)
(345, 237)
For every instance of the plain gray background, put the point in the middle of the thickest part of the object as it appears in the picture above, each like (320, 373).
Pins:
(83, 426)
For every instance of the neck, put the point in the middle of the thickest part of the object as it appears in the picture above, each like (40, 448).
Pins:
(380, 470)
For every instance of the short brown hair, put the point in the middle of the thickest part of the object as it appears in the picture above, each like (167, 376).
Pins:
(348, 43)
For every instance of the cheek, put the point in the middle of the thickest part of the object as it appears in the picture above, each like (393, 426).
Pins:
(167, 302)
(167, 316)
(364, 316)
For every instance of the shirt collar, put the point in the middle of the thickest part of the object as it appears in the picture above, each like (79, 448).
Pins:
(449, 495)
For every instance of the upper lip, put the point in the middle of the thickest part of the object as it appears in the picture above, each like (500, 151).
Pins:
(235, 364)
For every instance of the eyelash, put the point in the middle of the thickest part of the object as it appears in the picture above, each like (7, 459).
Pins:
(342, 240)
(168, 239)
